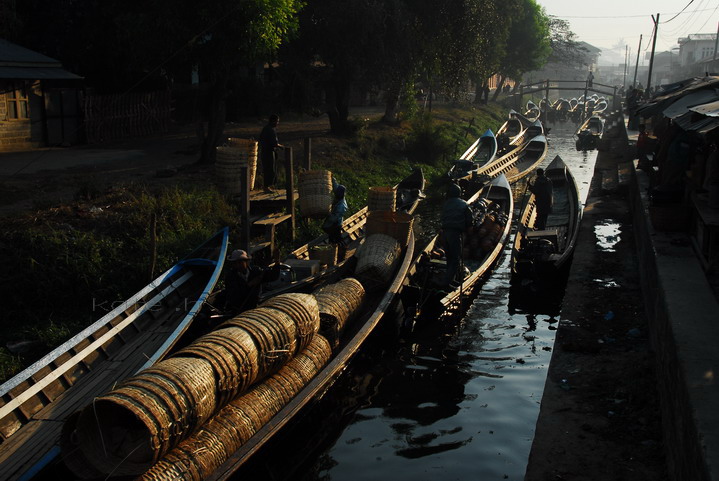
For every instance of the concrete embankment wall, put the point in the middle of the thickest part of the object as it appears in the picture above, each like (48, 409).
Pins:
(683, 316)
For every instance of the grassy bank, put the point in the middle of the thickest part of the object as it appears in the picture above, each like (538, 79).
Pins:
(64, 262)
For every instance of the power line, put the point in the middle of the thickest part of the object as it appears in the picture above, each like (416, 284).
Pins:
(675, 16)
(623, 16)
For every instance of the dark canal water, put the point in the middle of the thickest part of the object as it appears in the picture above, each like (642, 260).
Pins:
(455, 401)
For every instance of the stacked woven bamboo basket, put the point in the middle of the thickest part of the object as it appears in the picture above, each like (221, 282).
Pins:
(376, 260)
(315, 191)
(397, 225)
(230, 159)
(381, 198)
(184, 416)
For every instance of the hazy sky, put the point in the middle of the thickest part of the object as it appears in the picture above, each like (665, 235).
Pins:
(607, 24)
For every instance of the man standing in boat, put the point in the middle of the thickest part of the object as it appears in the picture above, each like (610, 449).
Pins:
(544, 198)
(456, 217)
(269, 144)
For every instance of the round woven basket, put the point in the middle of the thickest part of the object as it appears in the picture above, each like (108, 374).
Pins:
(129, 429)
(72, 456)
(302, 309)
(315, 191)
(234, 357)
(376, 260)
(381, 198)
(275, 335)
(229, 160)
(202, 453)
(394, 224)
(340, 302)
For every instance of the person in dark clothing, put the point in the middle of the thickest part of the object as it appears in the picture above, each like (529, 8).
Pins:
(456, 217)
(544, 198)
(268, 144)
(333, 222)
(243, 282)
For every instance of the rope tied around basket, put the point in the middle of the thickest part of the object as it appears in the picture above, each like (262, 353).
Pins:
(275, 353)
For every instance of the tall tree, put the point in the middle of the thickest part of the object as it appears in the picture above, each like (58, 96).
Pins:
(565, 48)
(217, 37)
(346, 38)
(528, 43)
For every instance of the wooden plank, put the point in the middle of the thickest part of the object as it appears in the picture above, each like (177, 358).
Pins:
(43, 431)
(272, 219)
(6, 409)
(290, 179)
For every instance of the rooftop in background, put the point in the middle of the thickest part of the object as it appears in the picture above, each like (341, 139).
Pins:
(20, 63)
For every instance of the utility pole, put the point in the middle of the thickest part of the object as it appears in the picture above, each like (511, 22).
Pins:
(636, 67)
(654, 44)
(626, 65)
(716, 40)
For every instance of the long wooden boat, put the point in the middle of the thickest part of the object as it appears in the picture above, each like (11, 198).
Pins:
(532, 155)
(482, 152)
(537, 253)
(377, 306)
(132, 336)
(519, 162)
(409, 192)
(510, 134)
(589, 133)
(423, 296)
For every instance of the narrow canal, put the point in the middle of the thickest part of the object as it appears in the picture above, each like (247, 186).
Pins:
(455, 401)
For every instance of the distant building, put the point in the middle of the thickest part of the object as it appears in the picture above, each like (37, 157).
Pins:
(696, 47)
(588, 60)
(39, 100)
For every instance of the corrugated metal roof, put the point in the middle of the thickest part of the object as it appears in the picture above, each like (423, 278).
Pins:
(710, 109)
(661, 102)
(37, 73)
(681, 105)
(692, 121)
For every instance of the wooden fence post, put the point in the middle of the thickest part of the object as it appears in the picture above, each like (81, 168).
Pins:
(244, 208)
(290, 190)
(307, 159)
(547, 105)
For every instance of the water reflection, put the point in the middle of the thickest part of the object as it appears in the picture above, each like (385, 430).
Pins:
(607, 234)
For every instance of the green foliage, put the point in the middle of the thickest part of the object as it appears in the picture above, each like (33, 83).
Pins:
(430, 141)
(528, 45)
(9, 364)
(66, 267)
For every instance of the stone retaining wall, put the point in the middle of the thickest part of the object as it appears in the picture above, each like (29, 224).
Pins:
(683, 316)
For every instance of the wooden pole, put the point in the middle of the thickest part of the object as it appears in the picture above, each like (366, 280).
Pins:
(307, 159)
(290, 189)
(654, 44)
(626, 65)
(545, 113)
(244, 208)
(636, 67)
(153, 245)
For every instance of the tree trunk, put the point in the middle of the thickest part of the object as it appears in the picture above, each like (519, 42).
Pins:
(500, 86)
(338, 95)
(391, 107)
(216, 114)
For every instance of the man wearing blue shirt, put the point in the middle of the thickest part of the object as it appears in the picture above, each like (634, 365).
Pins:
(456, 217)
